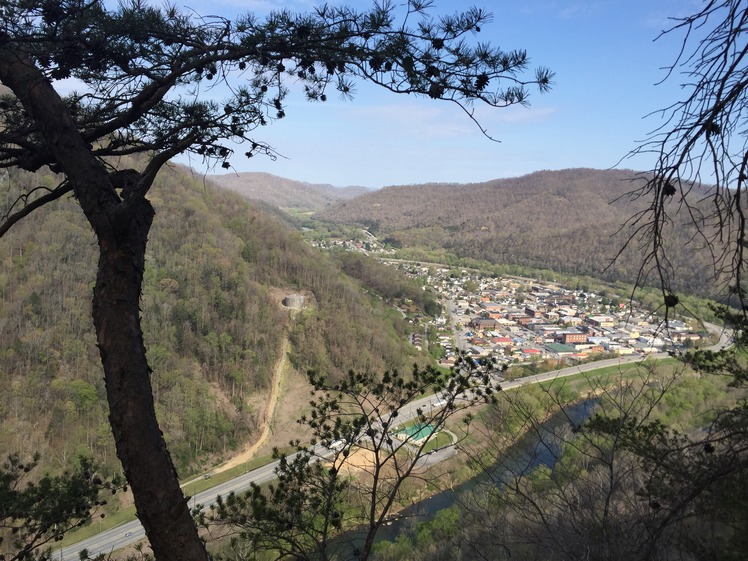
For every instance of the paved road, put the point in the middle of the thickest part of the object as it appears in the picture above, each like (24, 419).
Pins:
(131, 532)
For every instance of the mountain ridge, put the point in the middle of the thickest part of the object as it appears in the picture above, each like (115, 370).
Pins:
(572, 221)
(285, 193)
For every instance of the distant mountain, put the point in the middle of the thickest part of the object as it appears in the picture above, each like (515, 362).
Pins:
(285, 193)
(566, 220)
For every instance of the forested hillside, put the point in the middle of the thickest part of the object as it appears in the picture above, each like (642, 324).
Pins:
(566, 220)
(217, 269)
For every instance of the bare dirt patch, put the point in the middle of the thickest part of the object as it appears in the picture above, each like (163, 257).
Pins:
(360, 460)
(293, 402)
(267, 416)
(288, 400)
(280, 294)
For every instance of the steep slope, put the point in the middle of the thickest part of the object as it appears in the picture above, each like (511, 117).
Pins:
(565, 220)
(285, 193)
(217, 269)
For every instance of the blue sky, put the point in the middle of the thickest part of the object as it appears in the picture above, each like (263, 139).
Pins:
(606, 61)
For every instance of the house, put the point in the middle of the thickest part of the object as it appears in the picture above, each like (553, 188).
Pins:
(448, 361)
(683, 337)
(534, 311)
(677, 325)
(502, 341)
(599, 340)
(567, 311)
(478, 351)
(491, 306)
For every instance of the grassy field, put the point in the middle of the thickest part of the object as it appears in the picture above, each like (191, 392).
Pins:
(439, 440)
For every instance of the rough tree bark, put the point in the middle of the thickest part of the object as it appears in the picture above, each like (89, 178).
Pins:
(121, 224)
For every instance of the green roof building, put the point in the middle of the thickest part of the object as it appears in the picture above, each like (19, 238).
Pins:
(560, 349)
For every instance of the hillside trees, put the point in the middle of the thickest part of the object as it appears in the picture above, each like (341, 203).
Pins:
(140, 70)
(331, 499)
(197, 295)
(389, 284)
(210, 316)
(488, 221)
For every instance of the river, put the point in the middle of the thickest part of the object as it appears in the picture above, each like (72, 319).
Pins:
(540, 449)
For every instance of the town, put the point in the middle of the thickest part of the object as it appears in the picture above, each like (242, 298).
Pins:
(523, 321)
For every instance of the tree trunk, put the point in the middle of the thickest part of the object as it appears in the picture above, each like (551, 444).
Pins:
(121, 225)
(160, 503)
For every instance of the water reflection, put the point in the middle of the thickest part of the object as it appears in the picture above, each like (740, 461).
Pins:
(540, 448)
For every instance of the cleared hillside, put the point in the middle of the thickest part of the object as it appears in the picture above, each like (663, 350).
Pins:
(285, 193)
(566, 220)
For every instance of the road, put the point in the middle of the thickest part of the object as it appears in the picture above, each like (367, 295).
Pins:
(131, 532)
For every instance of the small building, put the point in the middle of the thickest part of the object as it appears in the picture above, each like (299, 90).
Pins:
(483, 324)
(572, 337)
(561, 349)
(534, 311)
(502, 341)
(683, 337)
(601, 321)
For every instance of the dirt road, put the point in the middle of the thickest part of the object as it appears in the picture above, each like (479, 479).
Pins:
(247, 453)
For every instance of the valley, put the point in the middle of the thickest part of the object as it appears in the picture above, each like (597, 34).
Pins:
(494, 326)
(389, 310)
(538, 331)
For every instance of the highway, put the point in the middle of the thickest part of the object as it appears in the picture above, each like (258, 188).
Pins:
(131, 532)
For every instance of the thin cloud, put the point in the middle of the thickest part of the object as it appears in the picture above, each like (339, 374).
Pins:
(520, 114)
(577, 9)
(437, 121)
(416, 119)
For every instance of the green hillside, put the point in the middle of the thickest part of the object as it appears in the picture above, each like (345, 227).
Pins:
(217, 270)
